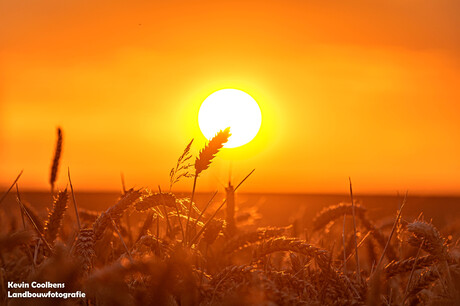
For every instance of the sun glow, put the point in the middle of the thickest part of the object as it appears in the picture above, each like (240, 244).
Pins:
(230, 108)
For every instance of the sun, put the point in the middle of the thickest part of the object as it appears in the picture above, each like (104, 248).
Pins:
(230, 108)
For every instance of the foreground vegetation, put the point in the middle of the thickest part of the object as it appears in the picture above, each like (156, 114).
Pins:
(172, 253)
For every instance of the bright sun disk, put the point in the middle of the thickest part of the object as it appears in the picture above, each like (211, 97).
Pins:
(230, 108)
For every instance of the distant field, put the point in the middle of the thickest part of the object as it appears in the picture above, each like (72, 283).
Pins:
(280, 209)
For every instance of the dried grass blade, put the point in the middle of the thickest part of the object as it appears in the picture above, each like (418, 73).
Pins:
(35, 227)
(392, 232)
(73, 200)
(11, 187)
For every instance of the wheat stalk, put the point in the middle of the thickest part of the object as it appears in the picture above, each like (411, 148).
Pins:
(33, 214)
(387, 245)
(380, 238)
(294, 245)
(155, 200)
(212, 231)
(73, 199)
(245, 239)
(153, 244)
(218, 208)
(88, 215)
(37, 230)
(430, 240)
(146, 225)
(426, 278)
(182, 167)
(210, 150)
(115, 212)
(202, 163)
(358, 269)
(56, 158)
(334, 212)
(13, 240)
(406, 265)
(55, 216)
(433, 241)
(84, 249)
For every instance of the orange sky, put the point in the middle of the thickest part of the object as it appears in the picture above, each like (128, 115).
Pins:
(367, 89)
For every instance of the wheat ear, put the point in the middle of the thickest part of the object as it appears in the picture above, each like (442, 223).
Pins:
(433, 241)
(406, 265)
(115, 212)
(245, 239)
(430, 240)
(208, 153)
(53, 223)
(212, 231)
(331, 213)
(84, 249)
(426, 278)
(294, 245)
(56, 158)
(156, 199)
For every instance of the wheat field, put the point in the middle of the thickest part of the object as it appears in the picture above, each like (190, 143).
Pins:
(157, 248)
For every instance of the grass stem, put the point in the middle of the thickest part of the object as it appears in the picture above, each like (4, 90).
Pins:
(358, 269)
(73, 200)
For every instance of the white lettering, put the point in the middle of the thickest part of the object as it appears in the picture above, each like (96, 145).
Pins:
(17, 285)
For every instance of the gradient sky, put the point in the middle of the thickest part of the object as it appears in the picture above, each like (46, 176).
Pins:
(367, 89)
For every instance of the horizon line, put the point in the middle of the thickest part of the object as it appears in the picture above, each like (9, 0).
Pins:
(367, 194)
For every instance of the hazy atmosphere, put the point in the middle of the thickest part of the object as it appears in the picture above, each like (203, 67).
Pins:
(361, 89)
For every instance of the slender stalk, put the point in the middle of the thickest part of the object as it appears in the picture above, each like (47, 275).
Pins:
(130, 232)
(359, 245)
(73, 200)
(392, 232)
(37, 248)
(180, 222)
(358, 270)
(158, 231)
(190, 209)
(11, 187)
(245, 178)
(207, 222)
(166, 213)
(158, 227)
(35, 226)
(206, 207)
(230, 213)
(123, 186)
(217, 210)
(344, 246)
(22, 211)
(121, 238)
(412, 271)
(29, 253)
